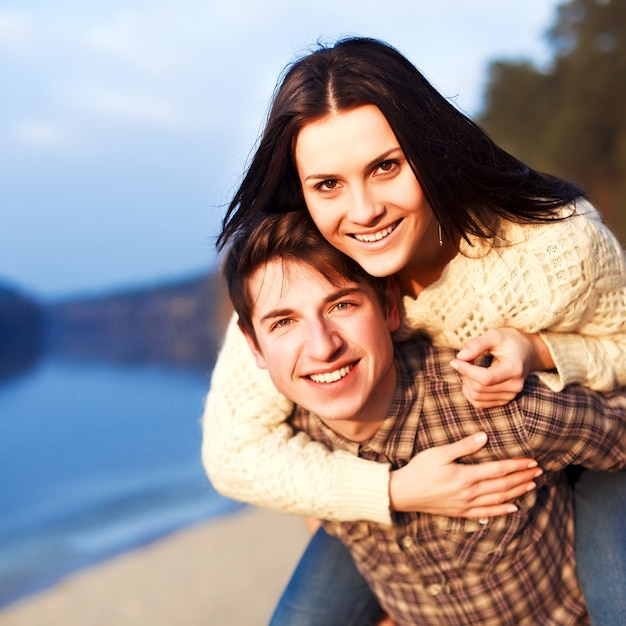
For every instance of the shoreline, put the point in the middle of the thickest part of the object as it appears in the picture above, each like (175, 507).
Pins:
(226, 570)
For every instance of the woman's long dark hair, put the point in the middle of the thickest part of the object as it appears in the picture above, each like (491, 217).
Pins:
(468, 180)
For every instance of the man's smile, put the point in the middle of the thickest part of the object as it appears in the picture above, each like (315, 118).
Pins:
(332, 377)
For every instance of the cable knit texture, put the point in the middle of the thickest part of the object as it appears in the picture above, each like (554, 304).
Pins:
(566, 280)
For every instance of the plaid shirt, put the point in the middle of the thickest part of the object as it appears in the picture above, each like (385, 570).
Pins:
(510, 570)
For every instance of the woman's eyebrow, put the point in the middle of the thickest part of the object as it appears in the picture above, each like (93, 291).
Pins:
(375, 161)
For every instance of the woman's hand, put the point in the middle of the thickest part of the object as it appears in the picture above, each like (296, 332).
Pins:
(514, 355)
(432, 482)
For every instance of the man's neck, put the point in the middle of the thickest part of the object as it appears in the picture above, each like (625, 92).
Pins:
(357, 431)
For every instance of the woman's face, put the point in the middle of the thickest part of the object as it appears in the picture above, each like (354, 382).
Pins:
(362, 193)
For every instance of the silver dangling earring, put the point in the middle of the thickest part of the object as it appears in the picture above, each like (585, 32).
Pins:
(440, 237)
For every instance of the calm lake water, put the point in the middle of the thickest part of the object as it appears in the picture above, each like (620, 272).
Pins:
(95, 460)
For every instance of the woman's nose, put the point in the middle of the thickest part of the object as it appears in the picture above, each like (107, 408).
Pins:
(365, 209)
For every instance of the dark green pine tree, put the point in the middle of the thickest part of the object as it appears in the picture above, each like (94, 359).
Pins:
(570, 118)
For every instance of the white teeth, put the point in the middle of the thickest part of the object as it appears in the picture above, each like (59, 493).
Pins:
(331, 377)
(381, 234)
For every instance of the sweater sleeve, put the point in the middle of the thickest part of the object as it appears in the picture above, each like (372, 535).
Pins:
(587, 333)
(598, 363)
(250, 453)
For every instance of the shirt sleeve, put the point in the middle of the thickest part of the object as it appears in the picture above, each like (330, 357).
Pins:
(250, 453)
(577, 427)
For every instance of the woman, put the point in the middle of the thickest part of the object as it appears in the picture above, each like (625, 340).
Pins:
(490, 256)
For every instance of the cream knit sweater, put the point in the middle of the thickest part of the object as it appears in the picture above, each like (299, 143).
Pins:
(566, 279)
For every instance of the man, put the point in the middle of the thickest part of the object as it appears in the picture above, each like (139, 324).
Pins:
(322, 328)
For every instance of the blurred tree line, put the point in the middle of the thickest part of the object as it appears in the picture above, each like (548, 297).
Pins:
(570, 119)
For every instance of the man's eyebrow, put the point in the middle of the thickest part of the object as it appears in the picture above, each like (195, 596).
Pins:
(385, 155)
(342, 293)
(333, 297)
(270, 315)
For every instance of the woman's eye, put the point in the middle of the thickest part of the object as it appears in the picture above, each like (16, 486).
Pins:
(327, 185)
(387, 166)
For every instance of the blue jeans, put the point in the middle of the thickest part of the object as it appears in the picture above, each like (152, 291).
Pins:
(326, 589)
(600, 500)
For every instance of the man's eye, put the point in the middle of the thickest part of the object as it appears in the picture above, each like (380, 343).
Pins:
(281, 323)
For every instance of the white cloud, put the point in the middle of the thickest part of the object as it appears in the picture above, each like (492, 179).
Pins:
(129, 107)
(15, 32)
(40, 134)
(127, 39)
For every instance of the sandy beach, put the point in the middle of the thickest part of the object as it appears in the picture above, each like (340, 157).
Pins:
(225, 572)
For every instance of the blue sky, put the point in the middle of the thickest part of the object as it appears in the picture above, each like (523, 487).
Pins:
(125, 125)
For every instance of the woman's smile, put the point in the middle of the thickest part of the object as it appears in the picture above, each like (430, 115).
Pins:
(362, 193)
(376, 236)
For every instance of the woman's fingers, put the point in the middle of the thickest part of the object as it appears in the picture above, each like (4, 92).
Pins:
(435, 482)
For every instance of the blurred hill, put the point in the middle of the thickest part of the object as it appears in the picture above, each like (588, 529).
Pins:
(179, 323)
(22, 332)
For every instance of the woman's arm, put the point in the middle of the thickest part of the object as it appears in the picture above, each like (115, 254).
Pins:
(598, 363)
(572, 303)
(558, 359)
(586, 329)
(250, 454)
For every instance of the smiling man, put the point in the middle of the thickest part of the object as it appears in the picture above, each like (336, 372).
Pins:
(322, 328)
(327, 347)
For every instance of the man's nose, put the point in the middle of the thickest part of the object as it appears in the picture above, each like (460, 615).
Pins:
(324, 340)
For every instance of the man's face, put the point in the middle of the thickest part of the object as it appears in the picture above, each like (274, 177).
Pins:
(327, 348)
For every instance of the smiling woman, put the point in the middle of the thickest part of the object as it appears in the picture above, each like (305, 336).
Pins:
(368, 203)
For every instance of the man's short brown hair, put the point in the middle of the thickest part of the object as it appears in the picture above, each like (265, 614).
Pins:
(290, 236)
